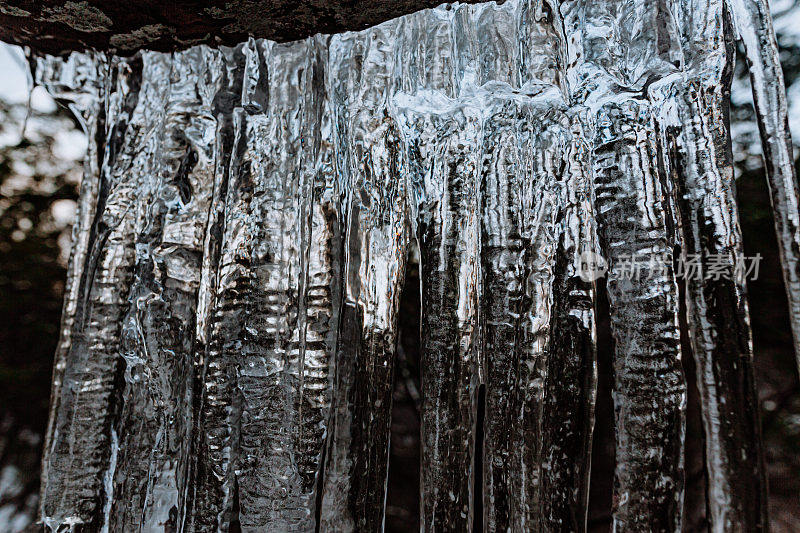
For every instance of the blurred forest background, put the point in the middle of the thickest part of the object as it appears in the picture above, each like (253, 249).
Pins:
(41, 148)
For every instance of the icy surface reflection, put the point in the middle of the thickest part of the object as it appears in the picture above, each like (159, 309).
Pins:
(230, 320)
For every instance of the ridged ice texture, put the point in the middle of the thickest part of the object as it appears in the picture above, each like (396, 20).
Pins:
(245, 220)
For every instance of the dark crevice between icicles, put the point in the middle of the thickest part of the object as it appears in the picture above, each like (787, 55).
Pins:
(320, 483)
(695, 496)
(601, 484)
(773, 358)
(477, 472)
(187, 164)
(117, 402)
(403, 485)
(236, 526)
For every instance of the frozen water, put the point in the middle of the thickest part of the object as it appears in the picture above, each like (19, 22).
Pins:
(231, 312)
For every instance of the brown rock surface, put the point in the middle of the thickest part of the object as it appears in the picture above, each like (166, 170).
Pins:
(54, 26)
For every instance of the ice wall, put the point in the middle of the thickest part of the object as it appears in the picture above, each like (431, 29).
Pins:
(247, 213)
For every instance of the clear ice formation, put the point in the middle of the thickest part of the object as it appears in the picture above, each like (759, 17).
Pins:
(246, 217)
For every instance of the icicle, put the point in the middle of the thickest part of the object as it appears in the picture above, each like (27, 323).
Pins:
(78, 80)
(274, 303)
(448, 158)
(443, 143)
(649, 391)
(206, 496)
(147, 345)
(375, 243)
(695, 154)
(754, 26)
(570, 375)
(321, 267)
(518, 216)
(518, 233)
(636, 227)
(282, 377)
(79, 442)
(160, 325)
